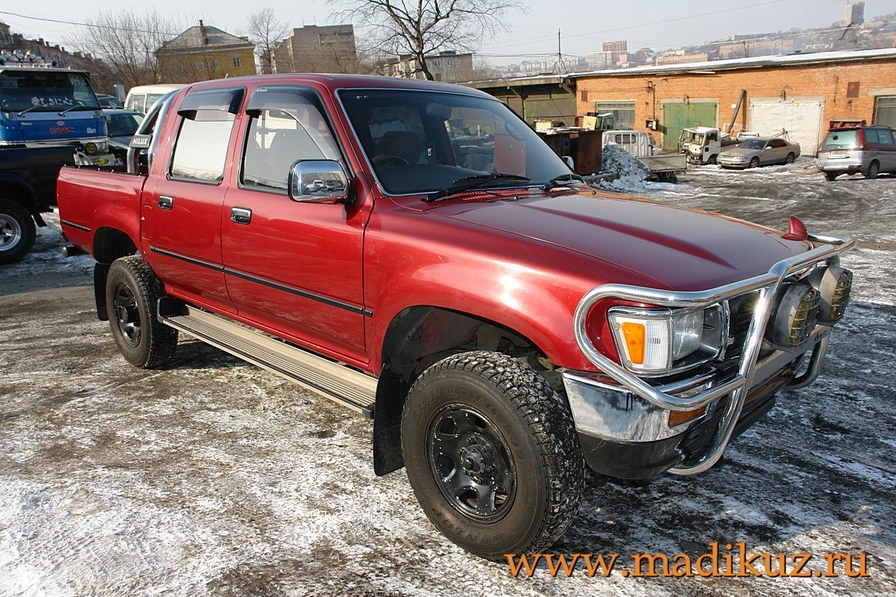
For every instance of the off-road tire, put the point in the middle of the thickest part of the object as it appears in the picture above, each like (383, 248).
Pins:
(872, 171)
(486, 418)
(132, 291)
(17, 231)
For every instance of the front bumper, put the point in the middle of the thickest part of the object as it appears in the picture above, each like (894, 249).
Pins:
(617, 412)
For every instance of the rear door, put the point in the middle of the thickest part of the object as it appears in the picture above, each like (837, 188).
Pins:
(182, 214)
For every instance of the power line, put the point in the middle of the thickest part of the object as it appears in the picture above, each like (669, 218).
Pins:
(705, 14)
(93, 25)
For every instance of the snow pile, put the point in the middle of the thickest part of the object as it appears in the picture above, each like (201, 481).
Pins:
(621, 171)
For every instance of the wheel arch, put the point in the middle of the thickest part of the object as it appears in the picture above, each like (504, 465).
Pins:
(16, 189)
(416, 338)
(108, 245)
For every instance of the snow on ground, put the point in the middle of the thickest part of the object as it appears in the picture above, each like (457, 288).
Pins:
(214, 477)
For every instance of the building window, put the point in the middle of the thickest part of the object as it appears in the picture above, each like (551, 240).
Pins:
(199, 66)
(885, 110)
(623, 112)
(215, 65)
(236, 62)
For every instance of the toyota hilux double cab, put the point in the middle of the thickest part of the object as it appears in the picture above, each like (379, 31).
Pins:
(415, 252)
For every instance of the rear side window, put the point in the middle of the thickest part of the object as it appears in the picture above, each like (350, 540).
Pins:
(841, 140)
(886, 137)
(200, 150)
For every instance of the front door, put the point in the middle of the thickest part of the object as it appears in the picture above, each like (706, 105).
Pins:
(290, 266)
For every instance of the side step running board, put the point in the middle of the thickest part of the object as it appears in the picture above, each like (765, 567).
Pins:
(348, 387)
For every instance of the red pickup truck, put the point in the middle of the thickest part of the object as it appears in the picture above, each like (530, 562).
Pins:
(414, 251)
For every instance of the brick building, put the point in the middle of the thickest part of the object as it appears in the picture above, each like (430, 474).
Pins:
(796, 95)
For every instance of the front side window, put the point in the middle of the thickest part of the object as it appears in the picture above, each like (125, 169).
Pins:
(420, 142)
(287, 124)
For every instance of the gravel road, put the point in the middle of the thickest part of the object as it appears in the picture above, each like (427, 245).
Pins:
(214, 477)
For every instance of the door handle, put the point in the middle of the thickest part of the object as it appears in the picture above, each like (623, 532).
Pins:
(166, 202)
(240, 215)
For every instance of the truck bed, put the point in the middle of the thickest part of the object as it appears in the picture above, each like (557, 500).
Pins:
(91, 198)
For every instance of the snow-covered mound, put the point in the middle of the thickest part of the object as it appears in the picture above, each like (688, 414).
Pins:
(621, 171)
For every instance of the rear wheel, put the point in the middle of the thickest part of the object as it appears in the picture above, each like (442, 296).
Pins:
(790, 158)
(17, 231)
(492, 454)
(831, 175)
(132, 291)
(873, 170)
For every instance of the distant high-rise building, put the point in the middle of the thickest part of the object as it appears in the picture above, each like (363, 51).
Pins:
(314, 49)
(855, 13)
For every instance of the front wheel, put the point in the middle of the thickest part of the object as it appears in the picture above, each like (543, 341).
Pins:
(754, 163)
(17, 232)
(491, 452)
(132, 291)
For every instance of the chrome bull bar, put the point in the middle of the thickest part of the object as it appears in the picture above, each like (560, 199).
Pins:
(767, 284)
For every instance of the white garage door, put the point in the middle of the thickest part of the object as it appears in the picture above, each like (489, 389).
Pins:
(800, 119)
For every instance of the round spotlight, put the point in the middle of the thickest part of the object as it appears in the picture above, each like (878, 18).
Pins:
(795, 316)
(834, 285)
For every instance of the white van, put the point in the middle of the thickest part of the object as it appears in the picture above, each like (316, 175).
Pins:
(141, 97)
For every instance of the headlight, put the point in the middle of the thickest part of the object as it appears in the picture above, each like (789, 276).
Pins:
(661, 341)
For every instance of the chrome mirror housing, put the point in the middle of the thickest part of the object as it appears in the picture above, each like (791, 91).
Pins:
(318, 181)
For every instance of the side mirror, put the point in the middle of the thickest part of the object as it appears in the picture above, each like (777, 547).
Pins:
(570, 163)
(318, 181)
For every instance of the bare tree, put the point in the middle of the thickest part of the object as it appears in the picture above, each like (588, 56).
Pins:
(265, 30)
(422, 27)
(127, 42)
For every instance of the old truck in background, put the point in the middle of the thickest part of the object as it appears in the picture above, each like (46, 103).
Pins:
(27, 189)
(415, 252)
(702, 144)
(640, 144)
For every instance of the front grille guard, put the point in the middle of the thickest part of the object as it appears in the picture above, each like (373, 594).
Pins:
(767, 284)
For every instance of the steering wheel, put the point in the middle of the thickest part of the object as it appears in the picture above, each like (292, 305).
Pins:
(389, 159)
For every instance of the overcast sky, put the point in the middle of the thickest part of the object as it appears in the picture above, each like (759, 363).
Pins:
(584, 24)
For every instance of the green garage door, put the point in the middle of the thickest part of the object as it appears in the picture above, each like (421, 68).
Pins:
(681, 115)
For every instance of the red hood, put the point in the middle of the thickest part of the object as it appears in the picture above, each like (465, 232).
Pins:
(676, 248)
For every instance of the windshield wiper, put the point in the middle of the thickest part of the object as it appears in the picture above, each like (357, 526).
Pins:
(26, 110)
(558, 181)
(473, 182)
(67, 110)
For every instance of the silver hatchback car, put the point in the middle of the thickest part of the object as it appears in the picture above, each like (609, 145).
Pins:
(868, 150)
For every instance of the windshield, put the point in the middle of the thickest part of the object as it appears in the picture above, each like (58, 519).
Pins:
(45, 91)
(753, 144)
(420, 142)
(122, 125)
